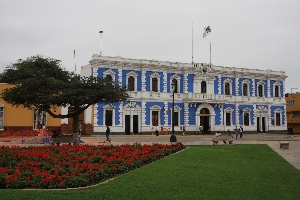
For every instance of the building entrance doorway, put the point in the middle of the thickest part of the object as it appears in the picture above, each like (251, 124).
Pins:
(261, 125)
(131, 127)
(204, 120)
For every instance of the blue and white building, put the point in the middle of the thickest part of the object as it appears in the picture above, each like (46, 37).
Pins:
(216, 97)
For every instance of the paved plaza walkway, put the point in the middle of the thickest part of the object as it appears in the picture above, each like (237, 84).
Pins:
(292, 155)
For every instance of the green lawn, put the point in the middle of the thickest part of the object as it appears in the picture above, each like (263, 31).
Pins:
(200, 172)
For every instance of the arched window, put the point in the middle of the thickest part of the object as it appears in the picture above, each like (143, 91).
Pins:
(203, 87)
(245, 89)
(276, 91)
(260, 91)
(131, 83)
(174, 81)
(108, 77)
(227, 88)
(154, 84)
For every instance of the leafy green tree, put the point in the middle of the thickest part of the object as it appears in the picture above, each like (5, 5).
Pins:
(41, 82)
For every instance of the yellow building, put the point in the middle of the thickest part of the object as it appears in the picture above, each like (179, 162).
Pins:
(16, 119)
(293, 112)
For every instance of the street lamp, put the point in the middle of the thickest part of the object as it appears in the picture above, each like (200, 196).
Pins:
(101, 43)
(173, 137)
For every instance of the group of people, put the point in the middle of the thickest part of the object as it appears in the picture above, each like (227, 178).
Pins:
(238, 131)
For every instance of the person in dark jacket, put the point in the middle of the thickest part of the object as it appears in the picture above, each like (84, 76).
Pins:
(107, 134)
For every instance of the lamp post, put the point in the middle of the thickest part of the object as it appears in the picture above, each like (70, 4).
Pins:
(101, 43)
(173, 137)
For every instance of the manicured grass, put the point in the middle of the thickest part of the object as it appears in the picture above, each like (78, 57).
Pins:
(200, 172)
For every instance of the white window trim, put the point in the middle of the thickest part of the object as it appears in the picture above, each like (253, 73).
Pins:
(228, 80)
(228, 110)
(176, 109)
(175, 76)
(155, 108)
(111, 108)
(263, 88)
(246, 110)
(134, 75)
(278, 110)
(279, 88)
(155, 75)
(246, 81)
(111, 73)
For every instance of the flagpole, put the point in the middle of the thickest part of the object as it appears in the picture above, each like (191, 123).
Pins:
(192, 43)
(210, 52)
(75, 61)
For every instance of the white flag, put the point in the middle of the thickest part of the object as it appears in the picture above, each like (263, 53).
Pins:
(207, 31)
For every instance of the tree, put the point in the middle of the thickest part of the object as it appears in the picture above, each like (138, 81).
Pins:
(41, 82)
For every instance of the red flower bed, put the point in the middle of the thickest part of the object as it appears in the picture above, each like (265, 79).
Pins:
(74, 166)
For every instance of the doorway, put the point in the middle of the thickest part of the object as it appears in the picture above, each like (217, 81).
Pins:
(127, 124)
(263, 125)
(134, 124)
(204, 122)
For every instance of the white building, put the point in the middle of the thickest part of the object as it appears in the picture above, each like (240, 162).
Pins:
(216, 97)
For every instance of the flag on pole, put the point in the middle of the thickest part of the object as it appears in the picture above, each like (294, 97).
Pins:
(207, 31)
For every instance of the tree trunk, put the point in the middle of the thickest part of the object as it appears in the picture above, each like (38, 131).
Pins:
(75, 127)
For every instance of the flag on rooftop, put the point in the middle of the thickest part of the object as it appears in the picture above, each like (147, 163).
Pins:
(207, 31)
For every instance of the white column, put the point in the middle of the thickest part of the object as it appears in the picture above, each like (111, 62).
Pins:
(212, 123)
(253, 87)
(143, 104)
(144, 80)
(95, 115)
(185, 90)
(120, 76)
(236, 86)
(237, 118)
(268, 88)
(166, 113)
(121, 114)
(219, 84)
(186, 114)
(267, 121)
(165, 81)
(260, 122)
(221, 114)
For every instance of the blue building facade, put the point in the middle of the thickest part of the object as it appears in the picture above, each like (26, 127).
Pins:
(215, 97)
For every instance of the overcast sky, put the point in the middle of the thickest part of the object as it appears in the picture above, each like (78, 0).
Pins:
(256, 34)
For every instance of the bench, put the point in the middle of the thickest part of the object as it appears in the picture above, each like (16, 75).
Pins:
(224, 137)
(63, 139)
(284, 145)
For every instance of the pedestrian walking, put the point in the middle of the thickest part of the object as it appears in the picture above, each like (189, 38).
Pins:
(200, 129)
(236, 130)
(107, 134)
(156, 130)
(183, 131)
(241, 131)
